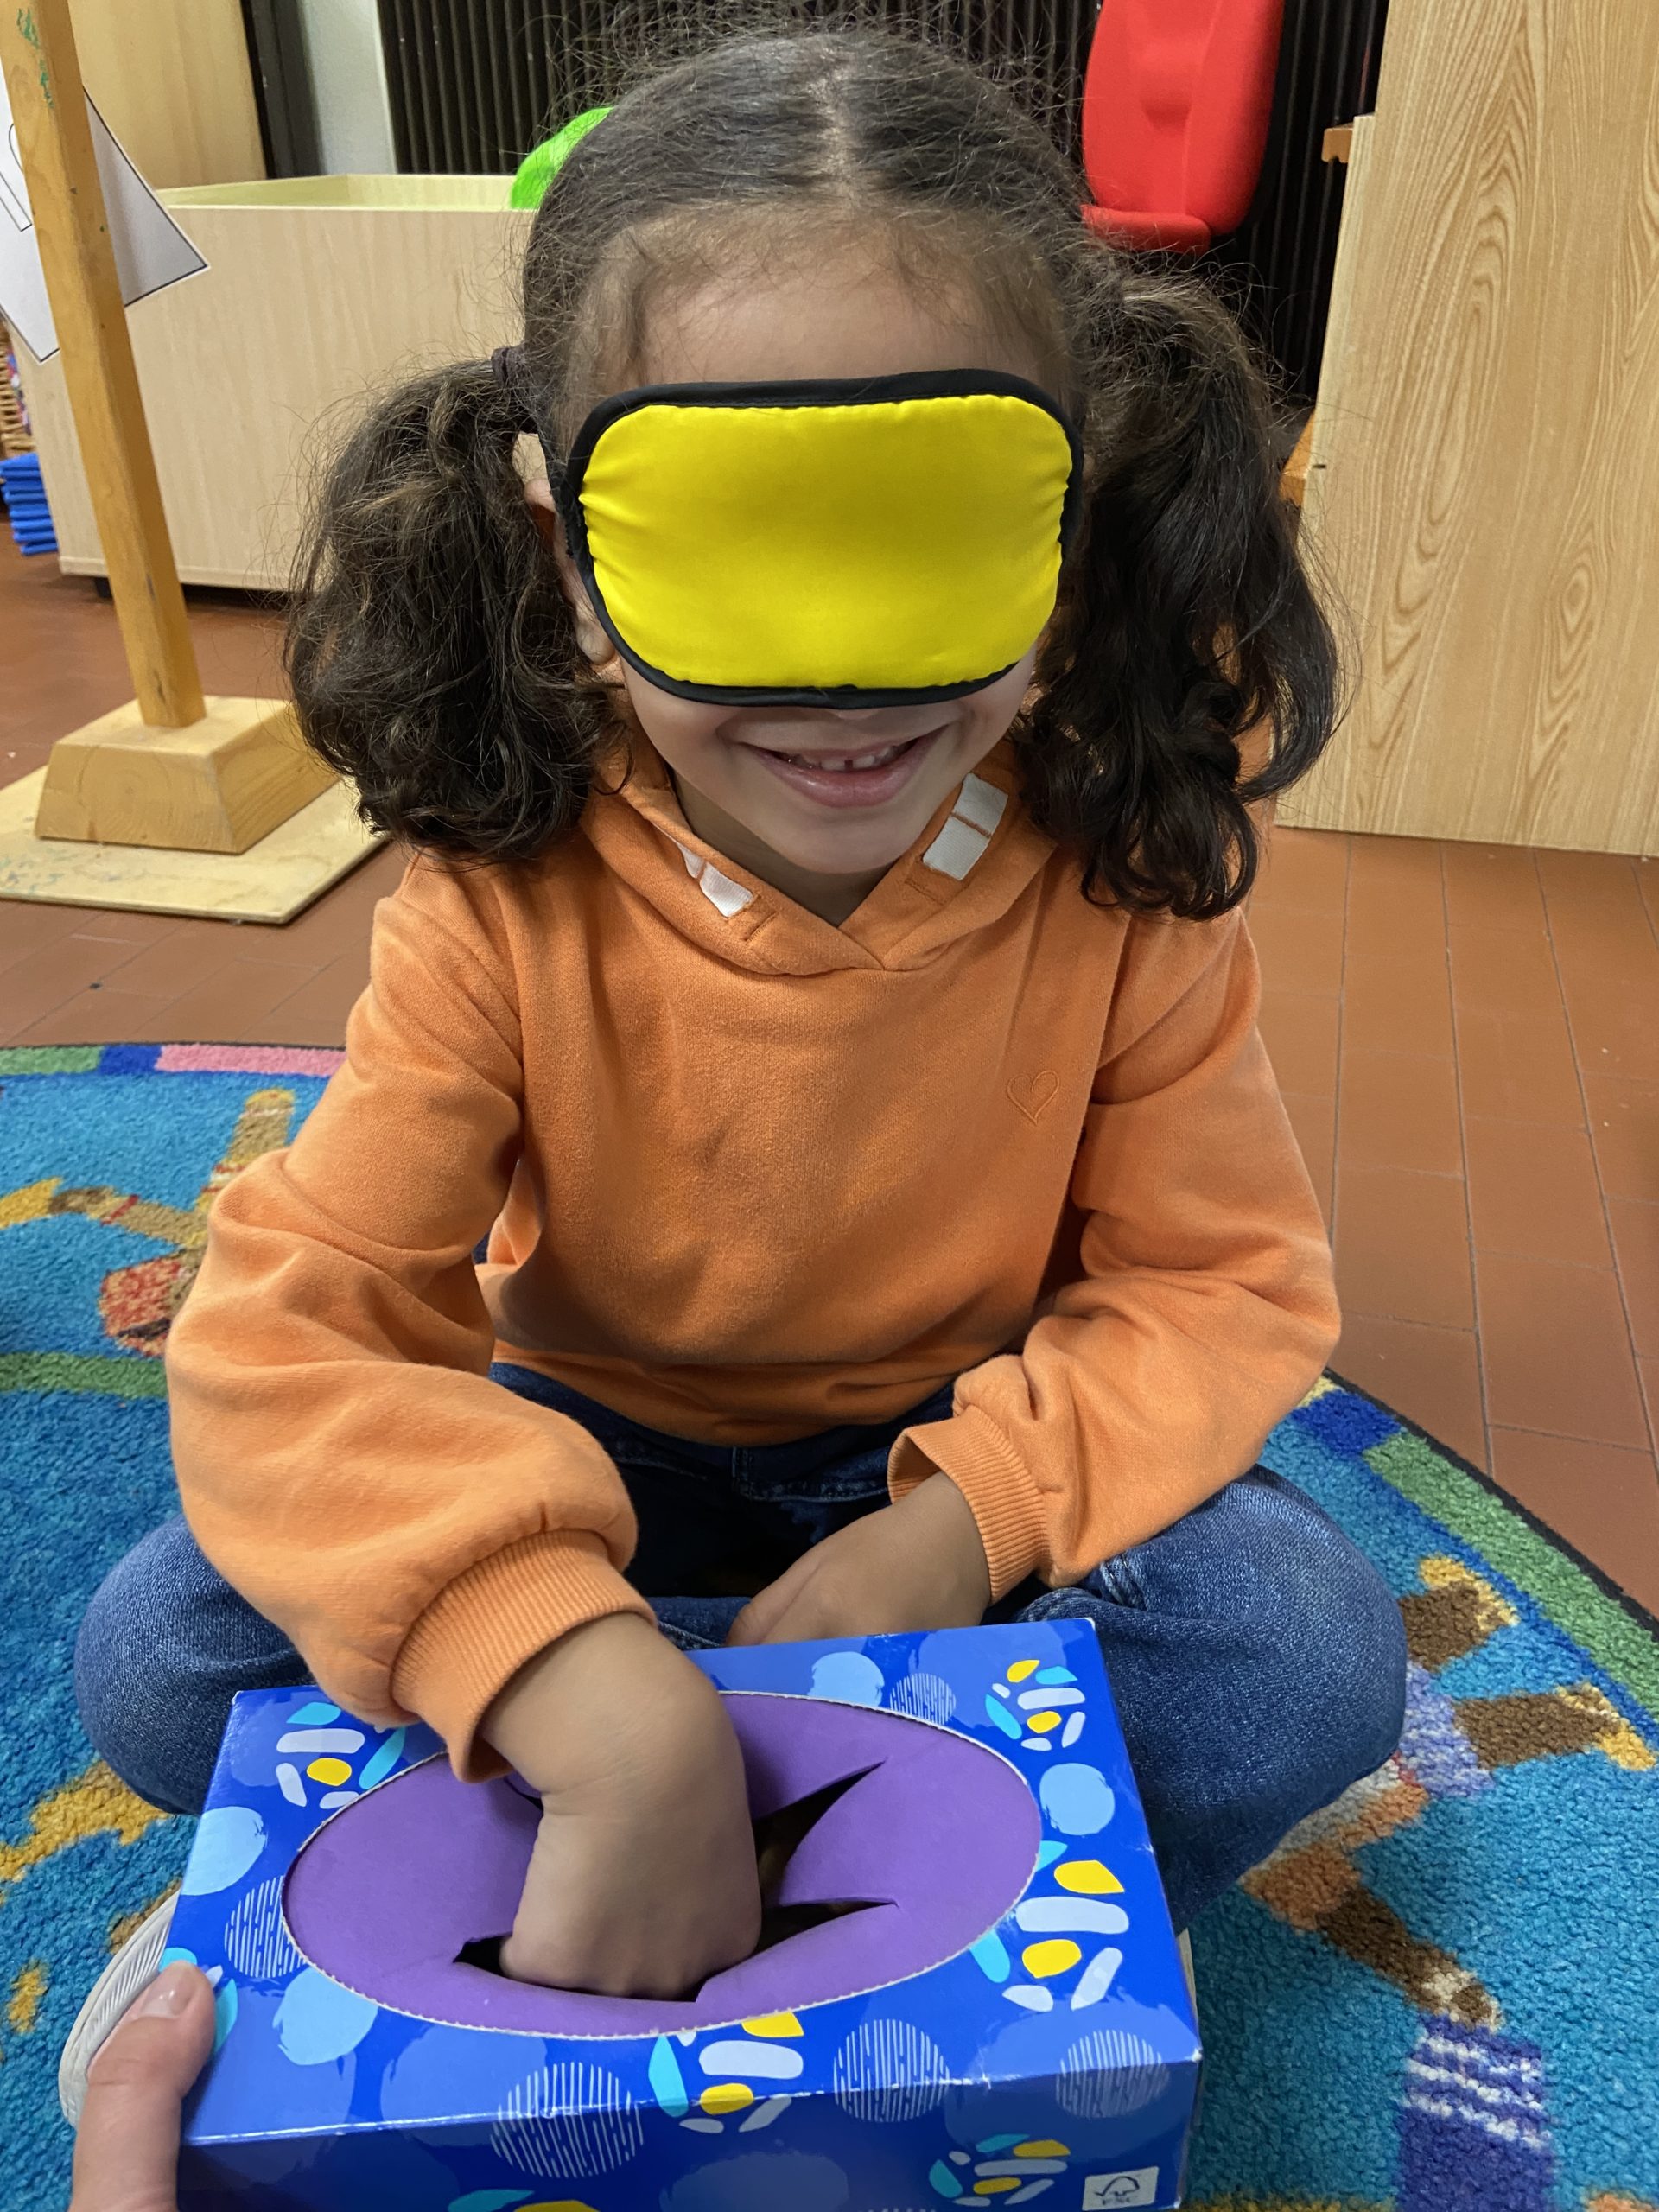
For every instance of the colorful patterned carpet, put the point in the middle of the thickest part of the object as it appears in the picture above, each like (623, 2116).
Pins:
(1437, 1996)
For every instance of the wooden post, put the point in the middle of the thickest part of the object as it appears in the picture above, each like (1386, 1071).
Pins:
(54, 144)
(169, 769)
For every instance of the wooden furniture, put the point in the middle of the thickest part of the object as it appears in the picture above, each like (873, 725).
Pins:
(54, 145)
(171, 77)
(218, 783)
(1336, 145)
(270, 881)
(160, 771)
(1483, 489)
(14, 431)
(1293, 478)
(318, 291)
(169, 769)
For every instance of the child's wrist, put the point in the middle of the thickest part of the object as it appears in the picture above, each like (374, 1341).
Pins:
(526, 1720)
(946, 1522)
(574, 1716)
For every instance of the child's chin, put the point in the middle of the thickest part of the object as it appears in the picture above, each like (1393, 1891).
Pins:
(844, 855)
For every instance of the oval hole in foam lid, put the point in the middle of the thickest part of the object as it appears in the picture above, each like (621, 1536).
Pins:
(938, 1835)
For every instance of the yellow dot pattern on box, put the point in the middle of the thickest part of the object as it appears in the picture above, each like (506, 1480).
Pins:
(1050, 1958)
(726, 2096)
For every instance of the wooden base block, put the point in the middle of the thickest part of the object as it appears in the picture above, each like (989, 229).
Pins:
(270, 882)
(218, 786)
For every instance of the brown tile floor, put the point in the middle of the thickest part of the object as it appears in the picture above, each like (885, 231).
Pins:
(1469, 1041)
(1468, 1038)
(81, 975)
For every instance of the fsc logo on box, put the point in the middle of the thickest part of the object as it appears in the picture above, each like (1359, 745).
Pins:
(1105, 2192)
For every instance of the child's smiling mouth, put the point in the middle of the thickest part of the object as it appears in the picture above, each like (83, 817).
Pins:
(870, 778)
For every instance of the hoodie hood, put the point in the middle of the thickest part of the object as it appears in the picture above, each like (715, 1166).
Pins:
(974, 860)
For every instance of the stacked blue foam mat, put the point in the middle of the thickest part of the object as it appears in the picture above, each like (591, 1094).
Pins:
(25, 496)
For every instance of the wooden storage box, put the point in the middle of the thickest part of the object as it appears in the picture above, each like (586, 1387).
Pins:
(318, 289)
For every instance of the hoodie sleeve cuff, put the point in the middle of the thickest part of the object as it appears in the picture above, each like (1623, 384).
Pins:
(1006, 1503)
(484, 1626)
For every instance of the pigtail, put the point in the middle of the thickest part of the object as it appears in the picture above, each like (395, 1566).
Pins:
(432, 656)
(1186, 625)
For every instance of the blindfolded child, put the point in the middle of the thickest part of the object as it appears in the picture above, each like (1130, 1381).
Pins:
(811, 673)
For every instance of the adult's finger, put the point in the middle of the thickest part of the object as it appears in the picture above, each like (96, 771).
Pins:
(127, 2149)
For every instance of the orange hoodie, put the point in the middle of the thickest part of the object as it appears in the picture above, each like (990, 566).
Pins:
(749, 1175)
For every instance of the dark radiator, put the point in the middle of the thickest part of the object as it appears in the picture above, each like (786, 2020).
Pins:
(474, 83)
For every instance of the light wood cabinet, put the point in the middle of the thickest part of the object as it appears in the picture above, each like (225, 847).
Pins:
(318, 291)
(1483, 486)
(172, 80)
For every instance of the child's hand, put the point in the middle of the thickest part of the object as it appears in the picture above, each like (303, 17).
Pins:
(918, 1564)
(643, 1880)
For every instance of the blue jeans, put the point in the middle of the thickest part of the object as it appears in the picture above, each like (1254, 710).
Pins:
(1257, 1658)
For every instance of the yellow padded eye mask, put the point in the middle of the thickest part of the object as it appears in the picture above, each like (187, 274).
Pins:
(889, 540)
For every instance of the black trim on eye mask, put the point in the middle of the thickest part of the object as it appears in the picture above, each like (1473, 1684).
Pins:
(565, 476)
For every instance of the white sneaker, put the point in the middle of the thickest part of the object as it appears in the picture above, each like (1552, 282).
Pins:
(133, 1969)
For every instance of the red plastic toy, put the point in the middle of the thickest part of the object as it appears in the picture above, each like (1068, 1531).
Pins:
(1175, 107)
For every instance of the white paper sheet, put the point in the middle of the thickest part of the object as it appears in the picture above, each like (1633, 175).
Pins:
(151, 250)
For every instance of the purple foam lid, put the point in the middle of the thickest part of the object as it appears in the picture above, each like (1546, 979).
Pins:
(936, 1837)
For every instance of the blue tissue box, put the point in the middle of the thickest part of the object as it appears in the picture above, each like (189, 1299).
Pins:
(974, 1994)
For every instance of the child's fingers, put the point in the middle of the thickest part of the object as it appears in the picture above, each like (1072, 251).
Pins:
(127, 2149)
(759, 1618)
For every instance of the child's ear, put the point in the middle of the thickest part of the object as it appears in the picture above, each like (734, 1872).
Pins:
(595, 646)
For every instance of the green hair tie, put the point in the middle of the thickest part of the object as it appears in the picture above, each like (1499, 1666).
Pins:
(543, 164)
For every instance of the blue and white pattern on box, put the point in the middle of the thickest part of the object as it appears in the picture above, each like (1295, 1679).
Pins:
(1051, 2057)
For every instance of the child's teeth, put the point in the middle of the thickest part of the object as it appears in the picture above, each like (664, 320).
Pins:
(864, 759)
(849, 763)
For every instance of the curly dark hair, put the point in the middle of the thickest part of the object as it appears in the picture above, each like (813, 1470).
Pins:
(432, 652)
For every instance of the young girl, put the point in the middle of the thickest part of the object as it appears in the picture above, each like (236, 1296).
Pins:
(820, 971)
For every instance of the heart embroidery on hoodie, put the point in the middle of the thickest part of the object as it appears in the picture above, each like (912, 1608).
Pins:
(1035, 1093)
